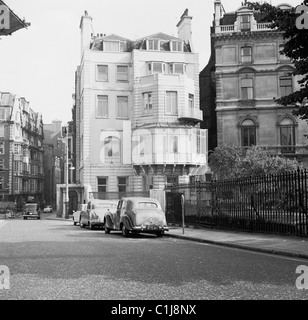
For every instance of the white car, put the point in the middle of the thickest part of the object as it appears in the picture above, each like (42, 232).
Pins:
(48, 209)
(76, 214)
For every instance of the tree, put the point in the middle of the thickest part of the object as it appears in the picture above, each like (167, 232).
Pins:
(296, 48)
(228, 162)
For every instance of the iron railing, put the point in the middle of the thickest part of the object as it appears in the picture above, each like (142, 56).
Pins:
(269, 204)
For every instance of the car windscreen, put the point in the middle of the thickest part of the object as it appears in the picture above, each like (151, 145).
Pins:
(143, 205)
(31, 207)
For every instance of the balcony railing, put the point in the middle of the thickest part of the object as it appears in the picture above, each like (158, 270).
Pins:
(231, 28)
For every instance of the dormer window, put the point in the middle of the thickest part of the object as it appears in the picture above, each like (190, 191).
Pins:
(245, 22)
(153, 44)
(176, 45)
(114, 46)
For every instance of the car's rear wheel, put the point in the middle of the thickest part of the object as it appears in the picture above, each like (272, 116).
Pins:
(74, 222)
(125, 231)
(81, 224)
(91, 227)
(160, 234)
(107, 230)
(25, 218)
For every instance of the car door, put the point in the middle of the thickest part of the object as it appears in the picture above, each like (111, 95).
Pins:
(118, 214)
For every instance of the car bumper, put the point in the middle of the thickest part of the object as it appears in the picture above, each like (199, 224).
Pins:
(31, 215)
(150, 229)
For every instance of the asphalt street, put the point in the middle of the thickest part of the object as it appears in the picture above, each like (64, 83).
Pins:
(52, 259)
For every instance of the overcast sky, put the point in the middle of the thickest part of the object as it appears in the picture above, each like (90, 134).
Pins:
(39, 63)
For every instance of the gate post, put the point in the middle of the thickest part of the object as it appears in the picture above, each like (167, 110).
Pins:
(183, 210)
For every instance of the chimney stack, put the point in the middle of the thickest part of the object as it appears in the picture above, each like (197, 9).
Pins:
(86, 31)
(184, 28)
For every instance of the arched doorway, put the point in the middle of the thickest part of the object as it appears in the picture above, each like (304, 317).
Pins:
(73, 201)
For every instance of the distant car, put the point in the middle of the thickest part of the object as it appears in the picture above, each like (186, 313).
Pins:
(93, 216)
(31, 210)
(48, 209)
(76, 214)
(137, 215)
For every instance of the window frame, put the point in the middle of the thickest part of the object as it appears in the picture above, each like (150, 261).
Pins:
(102, 185)
(287, 148)
(147, 98)
(97, 113)
(126, 74)
(247, 89)
(120, 185)
(98, 73)
(119, 116)
(290, 87)
(246, 56)
(250, 129)
(172, 111)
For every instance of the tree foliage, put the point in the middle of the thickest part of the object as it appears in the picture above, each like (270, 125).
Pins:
(296, 48)
(228, 162)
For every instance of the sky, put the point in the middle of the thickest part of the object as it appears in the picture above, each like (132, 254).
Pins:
(39, 63)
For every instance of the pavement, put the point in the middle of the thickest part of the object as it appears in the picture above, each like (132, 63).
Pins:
(267, 243)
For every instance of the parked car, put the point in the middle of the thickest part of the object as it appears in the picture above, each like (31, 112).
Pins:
(31, 210)
(48, 209)
(93, 216)
(76, 214)
(136, 215)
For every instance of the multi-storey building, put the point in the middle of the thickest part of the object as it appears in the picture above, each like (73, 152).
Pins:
(54, 158)
(21, 151)
(249, 72)
(137, 110)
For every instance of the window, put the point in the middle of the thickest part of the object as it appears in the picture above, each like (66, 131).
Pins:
(179, 68)
(190, 100)
(285, 86)
(102, 184)
(122, 73)
(1, 147)
(122, 184)
(245, 22)
(287, 135)
(153, 44)
(111, 46)
(147, 102)
(2, 113)
(16, 166)
(1, 183)
(176, 46)
(171, 102)
(246, 54)
(156, 67)
(102, 73)
(122, 107)
(1, 163)
(112, 149)
(246, 89)
(248, 133)
(102, 107)
(32, 185)
(1, 130)
(16, 184)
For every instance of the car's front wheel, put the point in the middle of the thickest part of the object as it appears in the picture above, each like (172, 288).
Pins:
(81, 224)
(160, 234)
(74, 222)
(91, 227)
(125, 231)
(107, 230)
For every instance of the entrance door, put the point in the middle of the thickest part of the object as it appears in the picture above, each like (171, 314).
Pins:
(73, 201)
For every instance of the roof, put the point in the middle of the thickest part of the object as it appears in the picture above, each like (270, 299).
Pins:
(14, 22)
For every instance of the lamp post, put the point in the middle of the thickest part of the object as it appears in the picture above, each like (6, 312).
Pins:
(66, 180)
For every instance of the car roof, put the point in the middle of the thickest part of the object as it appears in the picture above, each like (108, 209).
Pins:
(103, 201)
(137, 199)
